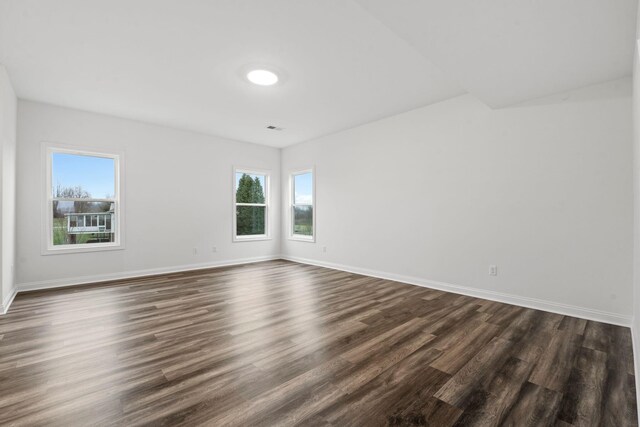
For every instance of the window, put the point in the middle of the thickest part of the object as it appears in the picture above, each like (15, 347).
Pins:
(302, 200)
(251, 203)
(83, 201)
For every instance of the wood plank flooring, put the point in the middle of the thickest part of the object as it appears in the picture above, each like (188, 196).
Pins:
(280, 343)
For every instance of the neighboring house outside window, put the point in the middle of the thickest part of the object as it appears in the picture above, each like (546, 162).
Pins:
(83, 208)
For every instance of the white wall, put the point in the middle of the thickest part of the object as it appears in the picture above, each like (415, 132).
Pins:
(178, 193)
(8, 108)
(543, 190)
(635, 328)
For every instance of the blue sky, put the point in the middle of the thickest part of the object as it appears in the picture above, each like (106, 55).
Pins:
(303, 188)
(94, 174)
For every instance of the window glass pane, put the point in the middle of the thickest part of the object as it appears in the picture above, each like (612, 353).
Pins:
(81, 176)
(303, 220)
(250, 188)
(303, 189)
(82, 222)
(250, 220)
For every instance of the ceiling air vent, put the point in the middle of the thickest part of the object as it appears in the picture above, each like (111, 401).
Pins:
(271, 127)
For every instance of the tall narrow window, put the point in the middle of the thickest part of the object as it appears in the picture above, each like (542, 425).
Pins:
(83, 200)
(302, 201)
(251, 220)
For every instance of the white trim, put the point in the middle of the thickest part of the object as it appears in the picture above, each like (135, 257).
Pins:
(252, 238)
(91, 247)
(47, 247)
(267, 205)
(82, 280)
(4, 307)
(291, 204)
(534, 303)
(537, 304)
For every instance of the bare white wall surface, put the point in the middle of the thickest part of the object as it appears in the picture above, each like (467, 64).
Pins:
(178, 197)
(635, 328)
(435, 195)
(8, 111)
(543, 190)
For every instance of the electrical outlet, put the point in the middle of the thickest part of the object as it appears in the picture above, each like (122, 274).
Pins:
(493, 270)
(214, 249)
(324, 249)
(195, 251)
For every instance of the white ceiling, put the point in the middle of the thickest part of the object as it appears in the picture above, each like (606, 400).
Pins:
(180, 62)
(509, 51)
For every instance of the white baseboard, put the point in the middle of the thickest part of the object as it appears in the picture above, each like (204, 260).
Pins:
(83, 280)
(537, 304)
(6, 303)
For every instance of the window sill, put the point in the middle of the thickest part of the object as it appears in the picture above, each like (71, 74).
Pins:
(83, 249)
(311, 239)
(251, 238)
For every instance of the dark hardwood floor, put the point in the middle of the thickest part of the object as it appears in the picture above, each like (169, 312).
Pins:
(279, 343)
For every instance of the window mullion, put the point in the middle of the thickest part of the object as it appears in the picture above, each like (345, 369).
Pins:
(88, 199)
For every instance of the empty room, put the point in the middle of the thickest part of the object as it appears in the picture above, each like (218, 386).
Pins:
(319, 213)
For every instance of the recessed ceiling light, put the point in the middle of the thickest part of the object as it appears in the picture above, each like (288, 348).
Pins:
(262, 77)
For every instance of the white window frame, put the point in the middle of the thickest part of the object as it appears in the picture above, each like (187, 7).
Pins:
(266, 204)
(48, 248)
(292, 204)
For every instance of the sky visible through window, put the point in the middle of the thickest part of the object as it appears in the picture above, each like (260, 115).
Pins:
(303, 188)
(95, 175)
